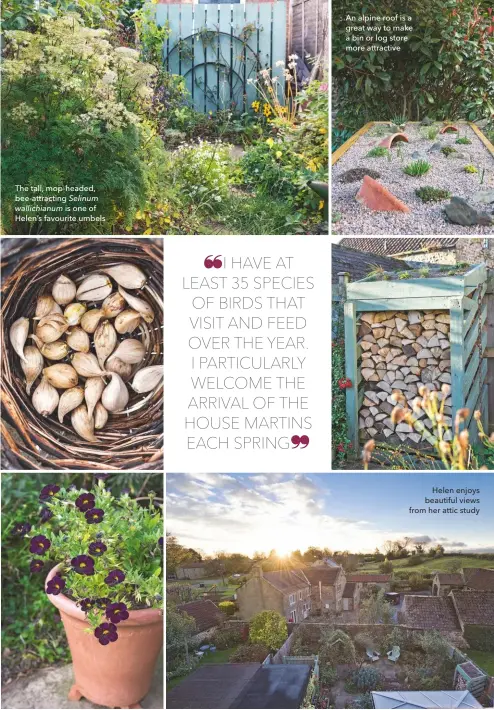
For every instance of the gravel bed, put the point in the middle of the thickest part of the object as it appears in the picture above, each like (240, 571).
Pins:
(425, 218)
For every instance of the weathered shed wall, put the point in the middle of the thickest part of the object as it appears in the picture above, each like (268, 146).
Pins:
(308, 28)
(490, 346)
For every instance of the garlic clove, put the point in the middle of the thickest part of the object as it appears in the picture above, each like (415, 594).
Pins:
(114, 364)
(83, 423)
(62, 376)
(69, 400)
(93, 389)
(105, 340)
(86, 365)
(147, 379)
(127, 321)
(90, 320)
(32, 366)
(46, 305)
(126, 275)
(113, 305)
(95, 287)
(52, 351)
(18, 336)
(131, 351)
(63, 290)
(78, 339)
(115, 395)
(51, 327)
(74, 312)
(100, 416)
(138, 304)
(45, 398)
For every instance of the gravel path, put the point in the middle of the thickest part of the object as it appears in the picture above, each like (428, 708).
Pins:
(424, 218)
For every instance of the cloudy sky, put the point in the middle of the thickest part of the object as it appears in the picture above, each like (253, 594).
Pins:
(357, 512)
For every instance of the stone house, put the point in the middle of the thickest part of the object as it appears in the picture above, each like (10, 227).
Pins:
(443, 583)
(191, 570)
(206, 615)
(470, 578)
(286, 591)
(327, 586)
(366, 581)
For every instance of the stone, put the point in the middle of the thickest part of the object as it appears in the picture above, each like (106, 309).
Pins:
(415, 317)
(485, 197)
(377, 198)
(435, 148)
(417, 155)
(460, 212)
(427, 121)
(425, 353)
(356, 174)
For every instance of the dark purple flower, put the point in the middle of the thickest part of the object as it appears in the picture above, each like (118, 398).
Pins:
(160, 542)
(55, 585)
(106, 633)
(95, 515)
(36, 565)
(48, 492)
(101, 476)
(97, 548)
(21, 529)
(87, 604)
(83, 564)
(39, 545)
(102, 602)
(125, 491)
(115, 577)
(117, 612)
(85, 502)
(45, 514)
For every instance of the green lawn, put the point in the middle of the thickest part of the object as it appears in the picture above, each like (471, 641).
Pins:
(485, 659)
(216, 657)
(431, 564)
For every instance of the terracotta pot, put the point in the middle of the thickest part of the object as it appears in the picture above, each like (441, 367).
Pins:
(119, 674)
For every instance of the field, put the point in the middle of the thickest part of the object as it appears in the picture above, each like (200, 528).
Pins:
(226, 590)
(485, 659)
(440, 564)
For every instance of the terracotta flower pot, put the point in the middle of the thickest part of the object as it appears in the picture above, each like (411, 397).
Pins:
(119, 674)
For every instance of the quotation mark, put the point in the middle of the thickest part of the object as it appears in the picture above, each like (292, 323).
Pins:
(297, 440)
(215, 263)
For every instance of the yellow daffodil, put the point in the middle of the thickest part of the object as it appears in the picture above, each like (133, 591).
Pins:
(279, 153)
(270, 142)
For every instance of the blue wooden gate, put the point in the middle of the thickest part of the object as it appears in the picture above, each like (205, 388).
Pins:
(218, 47)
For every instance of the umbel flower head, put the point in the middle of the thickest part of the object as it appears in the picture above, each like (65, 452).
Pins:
(105, 633)
(117, 612)
(97, 548)
(95, 515)
(85, 502)
(83, 564)
(48, 492)
(36, 565)
(114, 577)
(21, 529)
(55, 585)
(39, 545)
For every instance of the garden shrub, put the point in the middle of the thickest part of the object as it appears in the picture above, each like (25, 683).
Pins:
(226, 638)
(336, 647)
(328, 675)
(364, 680)
(74, 114)
(480, 638)
(268, 628)
(227, 608)
(396, 637)
(306, 641)
(250, 653)
(363, 701)
(202, 173)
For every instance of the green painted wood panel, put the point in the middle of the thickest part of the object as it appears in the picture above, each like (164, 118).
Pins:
(402, 304)
(350, 322)
(476, 275)
(472, 401)
(411, 288)
(470, 373)
(469, 304)
(471, 339)
(469, 320)
(457, 357)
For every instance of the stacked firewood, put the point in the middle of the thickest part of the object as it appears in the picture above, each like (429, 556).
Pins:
(401, 351)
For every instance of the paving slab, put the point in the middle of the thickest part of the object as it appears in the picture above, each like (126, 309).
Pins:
(48, 688)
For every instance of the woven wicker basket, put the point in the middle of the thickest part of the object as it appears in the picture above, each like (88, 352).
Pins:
(132, 439)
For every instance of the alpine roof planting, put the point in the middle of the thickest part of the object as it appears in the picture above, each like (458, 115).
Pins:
(359, 264)
(387, 246)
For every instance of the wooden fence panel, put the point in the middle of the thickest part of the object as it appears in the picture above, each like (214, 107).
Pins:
(489, 331)
(309, 28)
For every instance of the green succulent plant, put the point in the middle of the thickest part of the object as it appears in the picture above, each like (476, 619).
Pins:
(417, 168)
(432, 194)
(377, 152)
(470, 169)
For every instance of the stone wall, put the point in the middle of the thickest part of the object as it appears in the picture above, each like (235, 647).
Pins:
(400, 352)
(476, 250)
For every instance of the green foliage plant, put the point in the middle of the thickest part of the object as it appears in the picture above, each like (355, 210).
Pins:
(226, 638)
(403, 275)
(432, 194)
(429, 132)
(448, 150)
(227, 608)
(464, 141)
(269, 629)
(328, 675)
(336, 647)
(108, 548)
(250, 653)
(201, 172)
(378, 152)
(376, 609)
(417, 168)
(424, 272)
(342, 446)
(364, 679)
(470, 169)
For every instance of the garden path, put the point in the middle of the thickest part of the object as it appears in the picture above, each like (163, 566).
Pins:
(49, 687)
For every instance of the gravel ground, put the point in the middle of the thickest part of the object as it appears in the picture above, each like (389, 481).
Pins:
(424, 218)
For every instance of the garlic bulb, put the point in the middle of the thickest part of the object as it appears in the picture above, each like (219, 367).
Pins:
(86, 364)
(100, 416)
(131, 351)
(32, 365)
(78, 339)
(114, 364)
(147, 379)
(52, 351)
(74, 312)
(69, 400)
(61, 376)
(93, 389)
(105, 339)
(63, 290)
(45, 398)
(138, 304)
(115, 395)
(90, 320)
(83, 423)
(95, 287)
(51, 327)
(127, 321)
(113, 305)
(126, 275)
(18, 336)
(46, 305)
